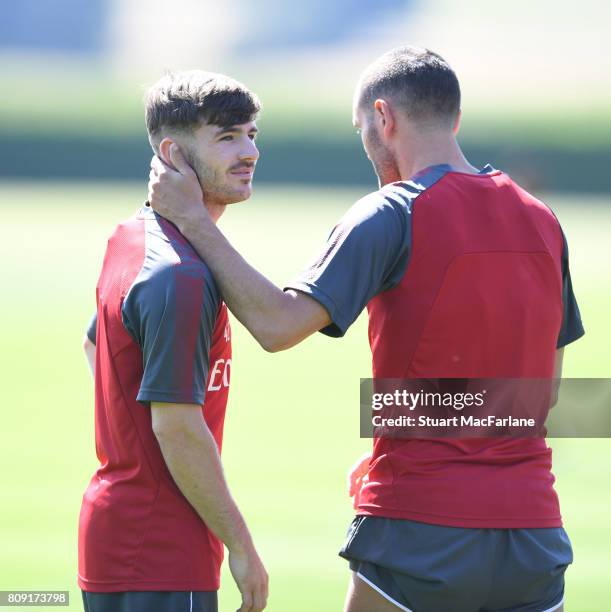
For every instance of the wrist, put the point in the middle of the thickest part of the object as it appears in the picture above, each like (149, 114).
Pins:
(192, 224)
(242, 543)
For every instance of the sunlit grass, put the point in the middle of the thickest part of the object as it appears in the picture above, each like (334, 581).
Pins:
(292, 424)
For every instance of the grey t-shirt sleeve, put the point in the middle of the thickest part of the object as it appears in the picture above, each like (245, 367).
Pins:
(572, 327)
(172, 315)
(366, 253)
(91, 328)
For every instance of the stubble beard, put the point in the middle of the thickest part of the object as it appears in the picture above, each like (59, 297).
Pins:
(214, 189)
(384, 162)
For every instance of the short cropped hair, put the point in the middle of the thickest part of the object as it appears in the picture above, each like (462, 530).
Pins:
(185, 100)
(419, 80)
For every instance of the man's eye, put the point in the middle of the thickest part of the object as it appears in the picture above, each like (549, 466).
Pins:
(252, 136)
(227, 138)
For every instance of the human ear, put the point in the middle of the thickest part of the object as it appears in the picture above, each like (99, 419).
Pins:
(164, 151)
(385, 117)
(457, 121)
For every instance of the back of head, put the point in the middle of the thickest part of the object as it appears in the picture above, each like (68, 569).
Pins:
(181, 102)
(419, 82)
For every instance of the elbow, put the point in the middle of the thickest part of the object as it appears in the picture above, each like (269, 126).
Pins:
(88, 345)
(275, 342)
(554, 395)
(165, 434)
(270, 346)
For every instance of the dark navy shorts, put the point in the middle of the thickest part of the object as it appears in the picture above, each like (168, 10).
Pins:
(151, 601)
(431, 568)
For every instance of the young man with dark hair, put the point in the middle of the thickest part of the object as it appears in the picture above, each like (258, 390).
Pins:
(158, 510)
(464, 275)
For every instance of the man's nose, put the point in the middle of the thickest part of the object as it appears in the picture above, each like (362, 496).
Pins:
(250, 151)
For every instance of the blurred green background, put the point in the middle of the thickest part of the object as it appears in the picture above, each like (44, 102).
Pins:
(74, 161)
(292, 423)
(534, 80)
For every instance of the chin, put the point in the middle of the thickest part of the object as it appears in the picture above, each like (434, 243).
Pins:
(239, 195)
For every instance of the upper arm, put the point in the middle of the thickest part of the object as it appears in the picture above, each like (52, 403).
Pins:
(88, 345)
(89, 348)
(91, 332)
(306, 316)
(366, 253)
(172, 316)
(572, 327)
(89, 342)
(173, 421)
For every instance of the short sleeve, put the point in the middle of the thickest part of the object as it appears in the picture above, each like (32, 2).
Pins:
(91, 328)
(572, 327)
(366, 253)
(171, 315)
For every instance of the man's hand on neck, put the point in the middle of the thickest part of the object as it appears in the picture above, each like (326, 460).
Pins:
(175, 194)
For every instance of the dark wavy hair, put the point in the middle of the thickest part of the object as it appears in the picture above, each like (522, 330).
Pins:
(185, 100)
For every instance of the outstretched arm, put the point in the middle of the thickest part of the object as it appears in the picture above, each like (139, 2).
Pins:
(278, 320)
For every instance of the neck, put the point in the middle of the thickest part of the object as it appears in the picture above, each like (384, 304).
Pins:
(431, 149)
(215, 210)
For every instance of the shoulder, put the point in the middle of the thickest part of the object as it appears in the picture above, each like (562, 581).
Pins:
(170, 255)
(171, 267)
(537, 211)
(391, 204)
(127, 237)
(385, 212)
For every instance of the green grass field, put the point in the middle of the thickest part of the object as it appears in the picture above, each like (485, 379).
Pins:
(292, 421)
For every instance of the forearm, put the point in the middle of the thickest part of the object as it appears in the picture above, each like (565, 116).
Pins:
(265, 310)
(276, 319)
(193, 460)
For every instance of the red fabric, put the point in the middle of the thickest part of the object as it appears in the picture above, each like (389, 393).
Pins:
(137, 531)
(481, 298)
